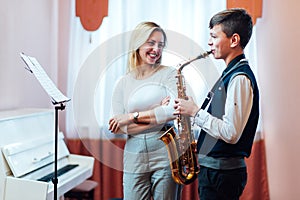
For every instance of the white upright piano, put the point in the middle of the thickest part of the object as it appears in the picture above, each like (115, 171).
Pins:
(27, 138)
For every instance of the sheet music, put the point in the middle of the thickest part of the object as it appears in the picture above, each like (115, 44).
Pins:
(34, 67)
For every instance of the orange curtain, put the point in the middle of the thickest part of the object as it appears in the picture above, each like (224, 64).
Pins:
(257, 185)
(91, 13)
(254, 7)
(110, 180)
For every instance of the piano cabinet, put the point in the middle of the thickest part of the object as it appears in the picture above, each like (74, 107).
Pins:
(27, 157)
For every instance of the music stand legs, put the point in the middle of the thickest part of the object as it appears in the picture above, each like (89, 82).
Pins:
(55, 179)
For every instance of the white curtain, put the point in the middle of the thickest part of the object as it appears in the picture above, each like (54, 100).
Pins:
(97, 59)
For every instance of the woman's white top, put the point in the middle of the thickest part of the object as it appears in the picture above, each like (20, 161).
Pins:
(144, 151)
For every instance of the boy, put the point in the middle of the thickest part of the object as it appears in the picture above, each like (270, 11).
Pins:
(229, 124)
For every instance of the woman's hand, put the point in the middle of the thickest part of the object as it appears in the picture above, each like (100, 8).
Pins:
(165, 101)
(118, 122)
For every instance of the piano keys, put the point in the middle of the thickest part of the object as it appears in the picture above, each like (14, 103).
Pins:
(27, 139)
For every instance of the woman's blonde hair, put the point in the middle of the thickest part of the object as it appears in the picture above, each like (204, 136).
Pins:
(138, 37)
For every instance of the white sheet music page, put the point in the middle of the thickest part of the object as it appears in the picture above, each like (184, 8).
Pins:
(35, 67)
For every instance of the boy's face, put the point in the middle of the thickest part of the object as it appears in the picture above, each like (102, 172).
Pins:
(219, 42)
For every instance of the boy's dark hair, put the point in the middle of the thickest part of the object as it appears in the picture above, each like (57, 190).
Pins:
(235, 20)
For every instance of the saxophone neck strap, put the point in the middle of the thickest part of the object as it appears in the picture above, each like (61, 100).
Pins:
(207, 100)
(210, 93)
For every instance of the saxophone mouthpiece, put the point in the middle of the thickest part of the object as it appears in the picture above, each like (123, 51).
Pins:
(209, 52)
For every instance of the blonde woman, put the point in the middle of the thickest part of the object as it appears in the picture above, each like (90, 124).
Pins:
(143, 109)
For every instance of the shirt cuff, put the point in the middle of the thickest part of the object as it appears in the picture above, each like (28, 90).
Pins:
(200, 118)
(163, 114)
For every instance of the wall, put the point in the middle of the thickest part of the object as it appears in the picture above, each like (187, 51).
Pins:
(39, 29)
(278, 43)
(27, 26)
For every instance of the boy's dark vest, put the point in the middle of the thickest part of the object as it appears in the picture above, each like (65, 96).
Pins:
(209, 146)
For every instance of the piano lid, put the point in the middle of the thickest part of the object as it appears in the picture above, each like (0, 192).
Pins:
(24, 124)
(28, 156)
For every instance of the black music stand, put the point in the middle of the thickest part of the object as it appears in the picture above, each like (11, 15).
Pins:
(58, 99)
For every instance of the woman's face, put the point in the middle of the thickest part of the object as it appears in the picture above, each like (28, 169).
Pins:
(151, 50)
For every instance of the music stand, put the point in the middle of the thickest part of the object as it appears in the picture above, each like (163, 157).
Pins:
(58, 99)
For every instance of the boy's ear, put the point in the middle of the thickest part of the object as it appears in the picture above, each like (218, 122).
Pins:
(235, 40)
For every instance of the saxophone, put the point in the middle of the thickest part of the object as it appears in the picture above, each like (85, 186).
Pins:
(182, 147)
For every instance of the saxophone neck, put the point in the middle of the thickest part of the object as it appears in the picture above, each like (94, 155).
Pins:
(204, 55)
